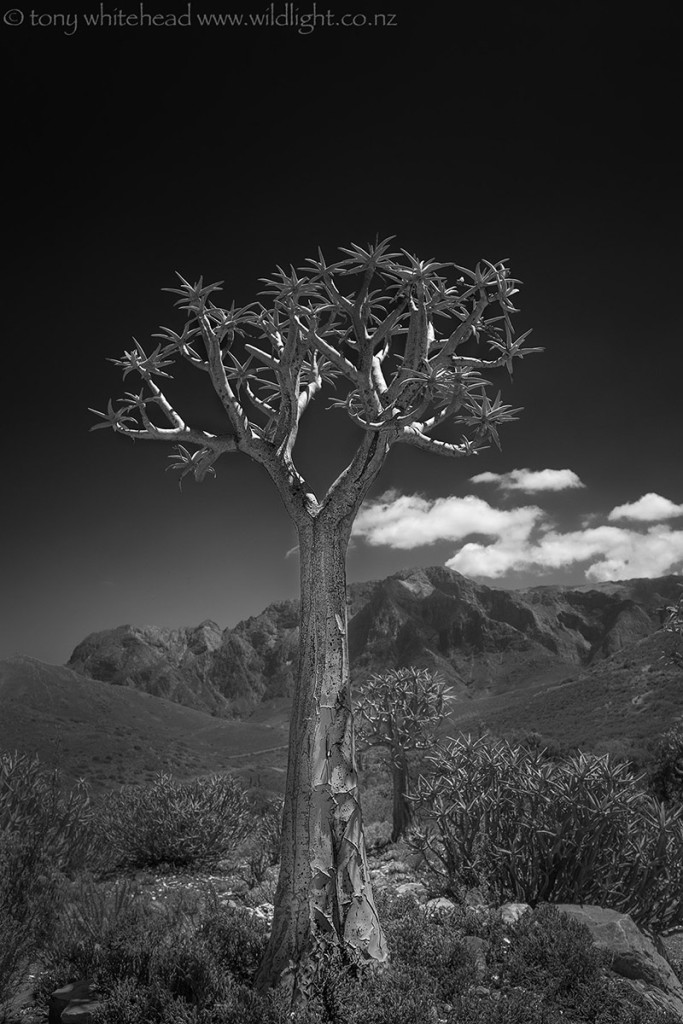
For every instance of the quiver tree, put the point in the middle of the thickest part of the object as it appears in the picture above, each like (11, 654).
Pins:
(400, 710)
(390, 333)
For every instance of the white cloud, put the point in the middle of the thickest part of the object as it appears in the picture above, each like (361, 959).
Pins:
(521, 538)
(409, 521)
(531, 480)
(613, 553)
(648, 509)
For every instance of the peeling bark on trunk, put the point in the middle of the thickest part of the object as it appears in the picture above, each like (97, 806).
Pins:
(402, 816)
(324, 884)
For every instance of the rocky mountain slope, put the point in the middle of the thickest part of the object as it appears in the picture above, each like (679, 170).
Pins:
(482, 640)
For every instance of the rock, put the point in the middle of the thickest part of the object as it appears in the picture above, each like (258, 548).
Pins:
(481, 990)
(415, 889)
(440, 905)
(633, 955)
(511, 912)
(73, 1003)
(78, 1012)
(398, 867)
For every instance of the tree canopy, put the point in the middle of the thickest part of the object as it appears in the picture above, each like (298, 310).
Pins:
(367, 325)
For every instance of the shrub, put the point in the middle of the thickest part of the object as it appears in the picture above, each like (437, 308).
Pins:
(262, 850)
(44, 834)
(377, 835)
(581, 829)
(129, 1003)
(35, 805)
(337, 989)
(269, 831)
(551, 749)
(237, 939)
(29, 903)
(433, 951)
(376, 801)
(665, 771)
(104, 935)
(175, 824)
(96, 920)
(153, 968)
(190, 944)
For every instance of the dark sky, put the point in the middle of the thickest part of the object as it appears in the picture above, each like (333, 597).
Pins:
(547, 134)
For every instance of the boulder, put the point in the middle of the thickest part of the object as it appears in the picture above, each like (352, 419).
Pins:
(73, 1003)
(440, 905)
(415, 889)
(511, 912)
(79, 1011)
(632, 955)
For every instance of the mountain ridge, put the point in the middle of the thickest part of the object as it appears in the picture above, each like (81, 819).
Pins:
(480, 639)
(583, 667)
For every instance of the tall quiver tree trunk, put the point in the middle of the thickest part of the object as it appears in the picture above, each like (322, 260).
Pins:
(324, 884)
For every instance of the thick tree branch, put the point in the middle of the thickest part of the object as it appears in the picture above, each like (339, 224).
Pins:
(221, 385)
(412, 435)
(346, 494)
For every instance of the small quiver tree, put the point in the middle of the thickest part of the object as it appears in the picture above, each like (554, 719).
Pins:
(401, 346)
(400, 710)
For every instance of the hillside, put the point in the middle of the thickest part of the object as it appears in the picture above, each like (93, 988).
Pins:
(617, 705)
(113, 736)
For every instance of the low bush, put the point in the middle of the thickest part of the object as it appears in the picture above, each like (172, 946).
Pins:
(377, 801)
(35, 804)
(44, 835)
(579, 830)
(665, 770)
(29, 903)
(550, 748)
(190, 944)
(153, 969)
(175, 824)
(434, 951)
(133, 1004)
(97, 925)
(269, 831)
